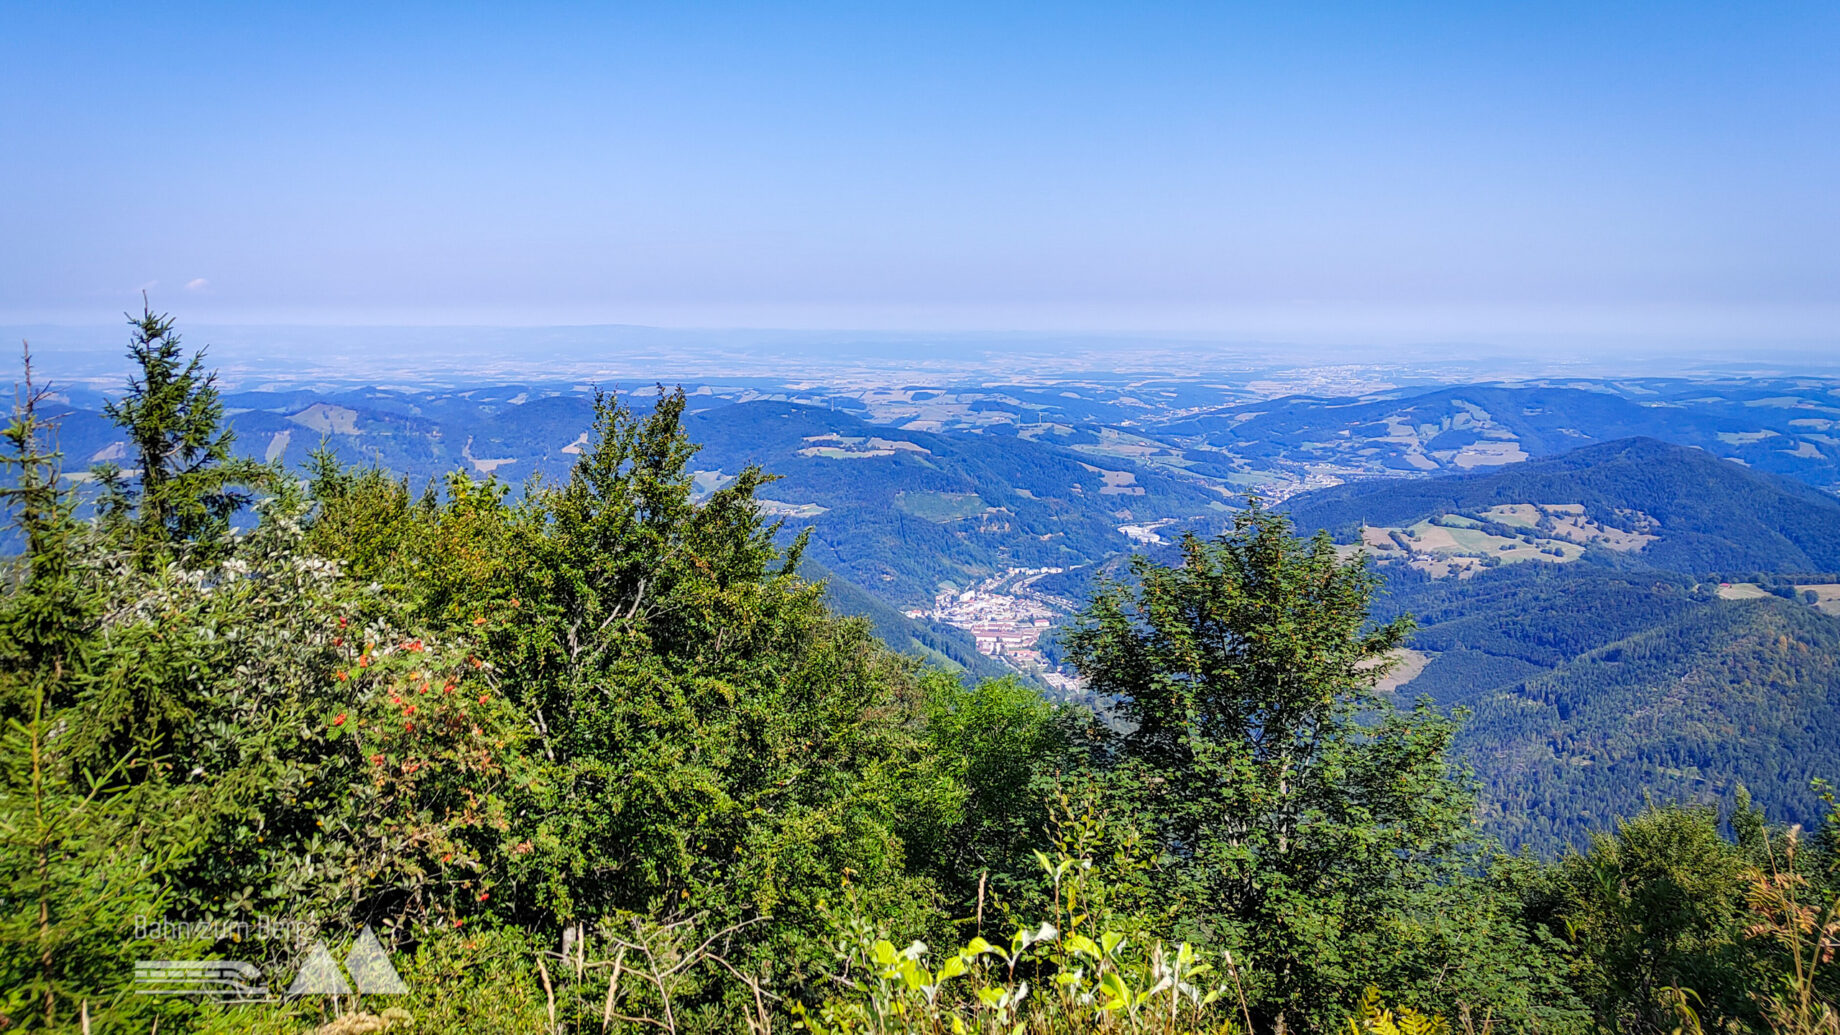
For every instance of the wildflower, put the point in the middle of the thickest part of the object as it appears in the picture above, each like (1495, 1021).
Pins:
(484, 895)
(410, 710)
(341, 621)
(340, 676)
(482, 698)
(514, 601)
(458, 922)
(338, 641)
(376, 759)
(340, 721)
(481, 620)
(364, 661)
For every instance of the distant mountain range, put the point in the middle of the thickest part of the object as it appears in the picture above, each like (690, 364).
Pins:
(1785, 426)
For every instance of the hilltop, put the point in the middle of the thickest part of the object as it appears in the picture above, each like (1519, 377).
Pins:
(1610, 666)
(1695, 511)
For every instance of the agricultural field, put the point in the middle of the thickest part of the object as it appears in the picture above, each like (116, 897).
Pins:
(943, 507)
(840, 447)
(1827, 597)
(1456, 546)
(1822, 596)
(779, 509)
(1407, 665)
(1568, 521)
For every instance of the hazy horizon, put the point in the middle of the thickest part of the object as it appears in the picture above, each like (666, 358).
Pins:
(411, 354)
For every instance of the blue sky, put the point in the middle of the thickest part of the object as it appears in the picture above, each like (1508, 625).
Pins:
(1508, 171)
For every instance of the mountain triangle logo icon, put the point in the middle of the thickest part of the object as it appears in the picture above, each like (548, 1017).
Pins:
(367, 963)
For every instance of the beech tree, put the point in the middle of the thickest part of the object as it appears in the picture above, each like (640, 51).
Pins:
(1294, 813)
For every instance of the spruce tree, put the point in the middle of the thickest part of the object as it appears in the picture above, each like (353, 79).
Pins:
(43, 617)
(187, 485)
(68, 883)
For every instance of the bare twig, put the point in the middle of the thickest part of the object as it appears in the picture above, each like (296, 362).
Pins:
(549, 991)
(613, 988)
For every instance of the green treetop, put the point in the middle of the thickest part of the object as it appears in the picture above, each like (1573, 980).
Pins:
(1293, 813)
(186, 485)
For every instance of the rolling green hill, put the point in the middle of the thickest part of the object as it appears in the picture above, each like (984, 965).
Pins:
(1596, 685)
(1712, 514)
(899, 511)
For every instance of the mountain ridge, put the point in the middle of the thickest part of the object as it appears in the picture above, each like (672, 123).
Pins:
(1713, 514)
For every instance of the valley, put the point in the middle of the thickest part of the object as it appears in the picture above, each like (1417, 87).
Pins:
(1009, 619)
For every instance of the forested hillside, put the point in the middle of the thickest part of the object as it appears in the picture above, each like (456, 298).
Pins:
(1592, 691)
(1592, 684)
(1713, 515)
(899, 511)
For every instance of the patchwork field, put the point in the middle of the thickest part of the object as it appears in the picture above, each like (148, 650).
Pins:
(1827, 596)
(1457, 546)
(838, 447)
(1568, 521)
(942, 507)
(778, 508)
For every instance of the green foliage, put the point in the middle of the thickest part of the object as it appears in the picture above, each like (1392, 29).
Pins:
(1657, 905)
(1799, 923)
(702, 730)
(184, 486)
(1294, 813)
(46, 612)
(1373, 1016)
(78, 865)
(1002, 747)
(1072, 974)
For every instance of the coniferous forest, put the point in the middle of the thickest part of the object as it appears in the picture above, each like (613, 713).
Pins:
(593, 756)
